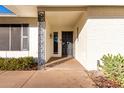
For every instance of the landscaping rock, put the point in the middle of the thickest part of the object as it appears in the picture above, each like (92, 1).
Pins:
(101, 81)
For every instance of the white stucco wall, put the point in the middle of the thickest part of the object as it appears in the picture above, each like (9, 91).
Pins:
(48, 42)
(105, 33)
(102, 33)
(104, 36)
(33, 41)
(33, 36)
(80, 38)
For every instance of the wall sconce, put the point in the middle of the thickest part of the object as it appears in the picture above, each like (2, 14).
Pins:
(50, 35)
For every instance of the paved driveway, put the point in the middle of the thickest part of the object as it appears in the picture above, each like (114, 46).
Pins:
(68, 74)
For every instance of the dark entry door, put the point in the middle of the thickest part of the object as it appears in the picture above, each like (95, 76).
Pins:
(67, 43)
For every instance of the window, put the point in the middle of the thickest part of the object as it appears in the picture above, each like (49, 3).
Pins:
(55, 41)
(14, 37)
(25, 40)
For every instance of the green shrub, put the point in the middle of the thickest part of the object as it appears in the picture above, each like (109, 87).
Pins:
(24, 63)
(113, 67)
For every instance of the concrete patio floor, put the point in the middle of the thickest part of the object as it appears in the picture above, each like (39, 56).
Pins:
(69, 74)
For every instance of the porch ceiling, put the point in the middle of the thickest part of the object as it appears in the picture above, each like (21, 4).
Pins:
(63, 18)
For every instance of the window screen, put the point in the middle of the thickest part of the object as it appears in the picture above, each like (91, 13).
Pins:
(4, 37)
(25, 37)
(25, 30)
(16, 37)
(25, 43)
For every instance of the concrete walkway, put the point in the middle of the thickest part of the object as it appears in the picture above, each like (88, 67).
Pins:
(65, 75)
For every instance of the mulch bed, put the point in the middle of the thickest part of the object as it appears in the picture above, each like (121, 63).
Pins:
(101, 81)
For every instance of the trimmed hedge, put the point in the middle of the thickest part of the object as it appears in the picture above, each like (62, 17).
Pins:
(113, 67)
(23, 63)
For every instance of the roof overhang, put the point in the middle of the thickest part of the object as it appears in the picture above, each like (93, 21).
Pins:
(31, 10)
(62, 2)
(23, 10)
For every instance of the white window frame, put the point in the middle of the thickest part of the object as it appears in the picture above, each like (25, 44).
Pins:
(22, 38)
(9, 38)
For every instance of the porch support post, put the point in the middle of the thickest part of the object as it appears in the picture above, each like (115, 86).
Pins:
(41, 39)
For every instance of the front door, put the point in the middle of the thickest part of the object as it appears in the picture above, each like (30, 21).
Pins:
(67, 43)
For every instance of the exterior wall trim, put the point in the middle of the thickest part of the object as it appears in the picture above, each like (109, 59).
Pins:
(62, 8)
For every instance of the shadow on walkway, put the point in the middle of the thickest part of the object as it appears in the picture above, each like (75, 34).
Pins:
(57, 60)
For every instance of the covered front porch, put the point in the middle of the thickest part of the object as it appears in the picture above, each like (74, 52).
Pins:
(62, 30)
